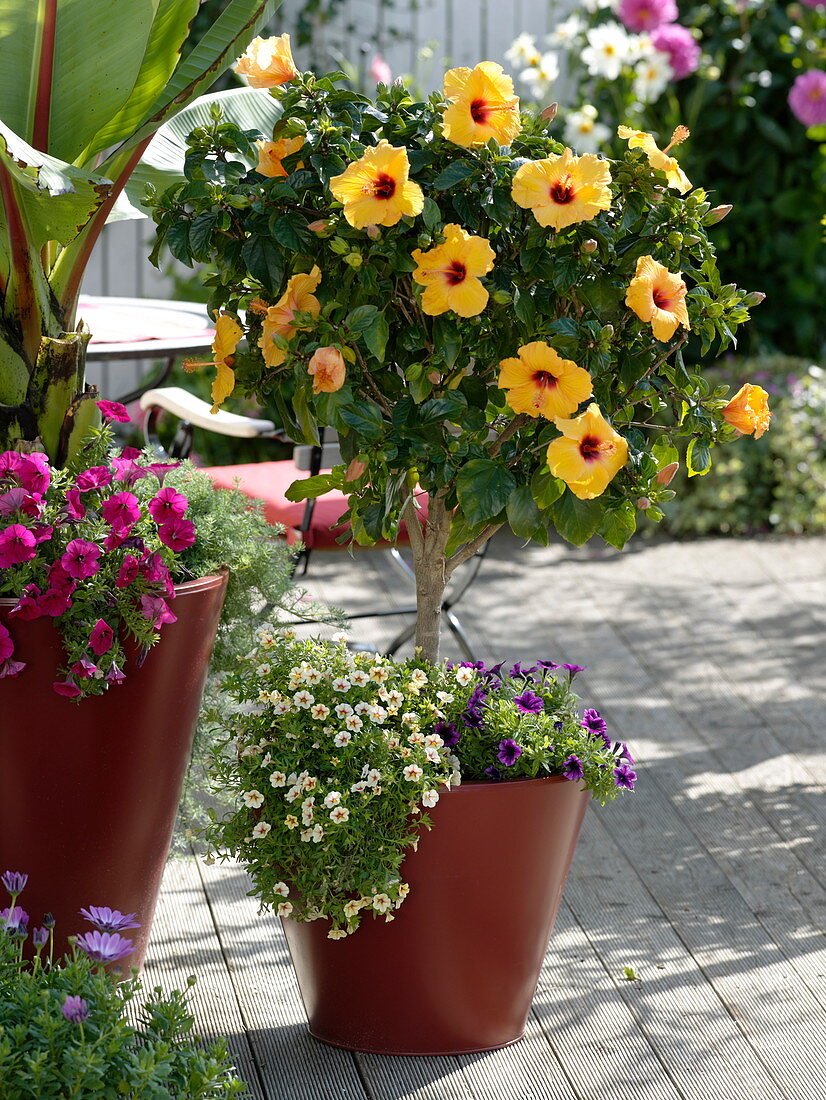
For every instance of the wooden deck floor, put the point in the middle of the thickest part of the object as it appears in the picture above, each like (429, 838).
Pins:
(710, 881)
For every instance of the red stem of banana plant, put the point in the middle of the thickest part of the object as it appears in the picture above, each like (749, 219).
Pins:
(45, 77)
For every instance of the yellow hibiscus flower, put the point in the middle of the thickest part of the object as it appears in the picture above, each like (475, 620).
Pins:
(450, 273)
(657, 296)
(588, 454)
(228, 334)
(541, 383)
(297, 298)
(562, 190)
(267, 62)
(271, 153)
(375, 190)
(658, 158)
(482, 106)
(748, 411)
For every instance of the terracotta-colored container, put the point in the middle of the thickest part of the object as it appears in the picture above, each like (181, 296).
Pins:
(456, 970)
(89, 789)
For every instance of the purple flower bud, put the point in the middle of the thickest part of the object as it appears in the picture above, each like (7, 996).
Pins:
(75, 1009)
(15, 882)
(40, 936)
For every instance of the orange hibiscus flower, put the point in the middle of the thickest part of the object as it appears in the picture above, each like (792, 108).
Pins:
(588, 454)
(657, 296)
(267, 62)
(658, 158)
(328, 370)
(297, 298)
(228, 334)
(271, 153)
(541, 383)
(748, 411)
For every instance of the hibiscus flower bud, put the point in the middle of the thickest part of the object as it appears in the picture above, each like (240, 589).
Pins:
(373, 232)
(643, 504)
(354, 260)
(549, 114)
(355, 470)
(318, 226)
(666, 475)
(589, 246)
(754, 299)
(717, 214)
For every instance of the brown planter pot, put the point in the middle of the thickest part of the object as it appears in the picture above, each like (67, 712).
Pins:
(456, 971)
(89, 789)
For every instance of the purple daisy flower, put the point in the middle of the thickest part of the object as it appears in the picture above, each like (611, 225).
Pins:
(15, 882)
(75, 1009)
(625, 776)
(572, 768)
(529, 703)
(14, 919)
(109, 920)
(104, 947)
(509, 752)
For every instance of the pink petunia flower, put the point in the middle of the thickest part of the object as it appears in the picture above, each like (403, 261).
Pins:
(807, 98)
(6, 643)
(66, 687)
(679, 46)
(19, 499)
(28, 605)
(75, 508)
(154, 569)
(80, 559)
(130, 566)
(121, 511)
(646, 15)
(102, 638)
(17, 544)
(11, 668)
(166, 505)
(157, 611)
(54, 603)
(83, 669)
(113, 410)
(60, 580)
(177, 534)
(34, 473)
(96, 477)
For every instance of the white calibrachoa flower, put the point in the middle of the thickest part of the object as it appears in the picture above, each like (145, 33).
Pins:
(332, 798)
(359, 677)
(358, 787)
(430, 798)
(291, 821)
(419, 677)
(381, 902)
(282, 889)
(463, 675)
(278, 779)
(303, 699)
(313, 676)
(293, 793)
(253, 799)
(282, 707)
(353, 722)
(394, 698)
(342, 739)
(352, 908)
(378, 715)
(262, 670)
(319, 711)
(339, 815)
(432, 754)
(433, 741)
(314, 835)
(373, 777)
(445, 696)
(343, 710)
(336, 934)
(261, 830)
(284, 908)
(340, 684)
(363, 708)
(411, 719)
(379, 674)
(412, 773)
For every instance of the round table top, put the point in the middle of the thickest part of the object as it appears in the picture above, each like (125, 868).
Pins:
(144, 328)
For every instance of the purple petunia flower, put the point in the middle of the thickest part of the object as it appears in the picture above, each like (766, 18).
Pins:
(679, 46)
(15, 882)
(75, 1009)
(114, 675)
(517, 672)
(84, 669)
(14, 919)
(625, 776)
(529, 703)
(493, 773)
(509, 752)
(109, 920)
(156, 611)
(547, 666)
(572, 670)
(113, 410)
(448, 733)
(622, 751)
(572, 768)
(104, 947)
(595, 724)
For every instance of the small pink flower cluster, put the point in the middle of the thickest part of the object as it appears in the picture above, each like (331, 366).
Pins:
(58, 532)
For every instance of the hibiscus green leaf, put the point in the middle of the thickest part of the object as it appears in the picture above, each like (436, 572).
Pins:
(545, 488)
(307, 487)
(524, 307)
(523, 514)
(304, 417)
(263, 259)
(361, 318)
(619, 524)
(431, 215)
(366, 419)
(376, 336)
(290, 231)
(177, 241)
(484, 487)
(697, 458)
(455, 173)
(576, 520)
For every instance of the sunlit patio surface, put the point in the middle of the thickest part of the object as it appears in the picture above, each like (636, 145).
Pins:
(708, 882)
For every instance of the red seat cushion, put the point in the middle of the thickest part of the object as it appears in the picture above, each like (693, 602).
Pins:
(269, 481)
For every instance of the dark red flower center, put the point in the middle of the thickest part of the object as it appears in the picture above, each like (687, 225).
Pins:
(455, 273)
(590, 448)
(562, 192)
(480, 111)
(544, 380)
(661, 299)
(384, 186)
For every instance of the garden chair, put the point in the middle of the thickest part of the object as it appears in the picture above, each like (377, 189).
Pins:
(307, 525)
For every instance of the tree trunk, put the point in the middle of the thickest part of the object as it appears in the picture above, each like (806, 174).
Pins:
(431, 580)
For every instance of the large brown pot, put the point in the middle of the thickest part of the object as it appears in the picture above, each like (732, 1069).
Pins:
(89, 789)
(456, 970)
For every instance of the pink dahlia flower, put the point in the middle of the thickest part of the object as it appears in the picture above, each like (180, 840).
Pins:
(646, 15)
(678, 44)
(807, 98)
